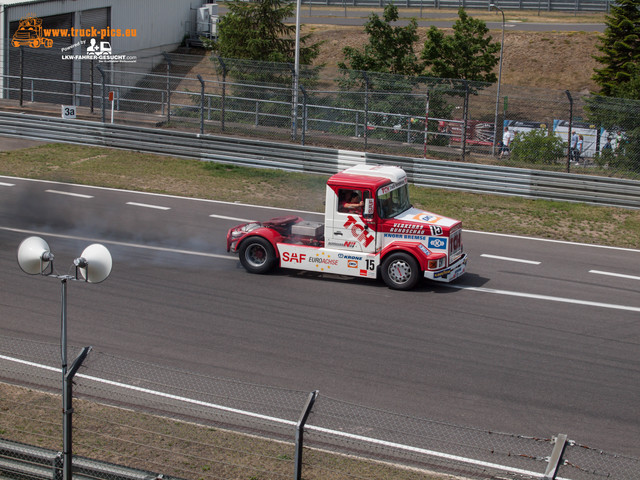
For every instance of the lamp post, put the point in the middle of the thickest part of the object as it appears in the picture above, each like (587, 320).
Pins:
(94, 264)
(495, 121)
(296, 74)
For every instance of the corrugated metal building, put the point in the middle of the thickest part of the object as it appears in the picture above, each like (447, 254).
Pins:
(52, 38)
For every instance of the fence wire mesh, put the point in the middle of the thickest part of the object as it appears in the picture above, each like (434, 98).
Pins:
(135, 415)
(390, 114)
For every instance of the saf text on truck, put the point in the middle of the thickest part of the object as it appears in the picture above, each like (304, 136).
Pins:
(370, 230)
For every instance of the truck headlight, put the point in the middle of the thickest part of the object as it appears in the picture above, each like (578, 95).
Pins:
(437, 263)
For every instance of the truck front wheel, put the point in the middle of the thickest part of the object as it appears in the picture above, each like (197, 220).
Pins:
(400, 271)
(257, 255)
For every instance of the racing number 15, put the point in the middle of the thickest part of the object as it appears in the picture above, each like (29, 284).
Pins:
(370, 264)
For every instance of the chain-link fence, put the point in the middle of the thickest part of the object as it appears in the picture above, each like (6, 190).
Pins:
(180, 424)
(453, 120)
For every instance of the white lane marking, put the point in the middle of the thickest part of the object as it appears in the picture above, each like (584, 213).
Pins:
(509, 259)
(70, 194)
(152, 392)
(123, 244)
(549, 240)
(146, 205)
(611, 274)
(222, 217)
(2, 184)
(547, 298)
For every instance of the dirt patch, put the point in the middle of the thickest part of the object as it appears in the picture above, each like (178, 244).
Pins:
(555, 60)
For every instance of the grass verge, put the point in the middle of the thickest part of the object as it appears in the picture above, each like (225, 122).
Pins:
(175, 448)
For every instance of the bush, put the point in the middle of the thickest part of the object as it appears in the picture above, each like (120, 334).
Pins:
(537, 146)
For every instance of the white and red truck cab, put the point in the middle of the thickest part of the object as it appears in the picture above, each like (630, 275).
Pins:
(370, 230)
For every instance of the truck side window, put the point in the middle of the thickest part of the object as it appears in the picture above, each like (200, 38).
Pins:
(350, 201)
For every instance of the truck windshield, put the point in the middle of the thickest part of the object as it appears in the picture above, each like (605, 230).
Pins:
(393, 202)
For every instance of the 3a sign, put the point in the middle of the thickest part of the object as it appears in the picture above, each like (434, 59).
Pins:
(68, 111)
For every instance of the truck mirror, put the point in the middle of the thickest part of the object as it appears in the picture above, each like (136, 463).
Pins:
(368, 208)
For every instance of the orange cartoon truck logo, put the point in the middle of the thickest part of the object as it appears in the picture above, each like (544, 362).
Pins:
(29, 33)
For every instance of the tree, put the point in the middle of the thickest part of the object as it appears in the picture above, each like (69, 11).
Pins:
(390, 49)
(620, 47)
(619, 114)
(388, 69)
(617, 106)
(256, 31)
(468, 54)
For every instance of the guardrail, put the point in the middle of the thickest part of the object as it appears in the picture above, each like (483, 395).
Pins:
(21, 461)
(256, 153)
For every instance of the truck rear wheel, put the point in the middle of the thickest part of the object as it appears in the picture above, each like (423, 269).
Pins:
(400, 271)
(257, 255)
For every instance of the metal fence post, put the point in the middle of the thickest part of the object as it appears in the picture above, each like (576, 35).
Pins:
(168, 60)
(101, 70)
(569, 132)
(91, 87)
(201, 103)
(465, 119)
(67, 407)
(366, 109)
(224, 83)
(555, 460)
(294, 101)
(426, 124)
(21, 73)
(304, 113)
(300, 433)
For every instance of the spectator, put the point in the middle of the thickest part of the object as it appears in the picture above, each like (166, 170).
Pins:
(607, 146)
(618, 139)
(574, 147)
(507, 138)
(579, 147)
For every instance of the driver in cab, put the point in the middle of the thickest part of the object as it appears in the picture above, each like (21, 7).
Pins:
(351, 202)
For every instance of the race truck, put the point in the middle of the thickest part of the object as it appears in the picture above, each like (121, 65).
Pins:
(370, 230)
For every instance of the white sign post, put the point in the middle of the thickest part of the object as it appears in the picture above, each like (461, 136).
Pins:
(112, 100)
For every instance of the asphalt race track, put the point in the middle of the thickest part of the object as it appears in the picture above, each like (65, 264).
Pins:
(348, 17)
(538, 338)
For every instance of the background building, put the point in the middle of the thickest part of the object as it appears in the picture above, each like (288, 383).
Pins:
(45, 49)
